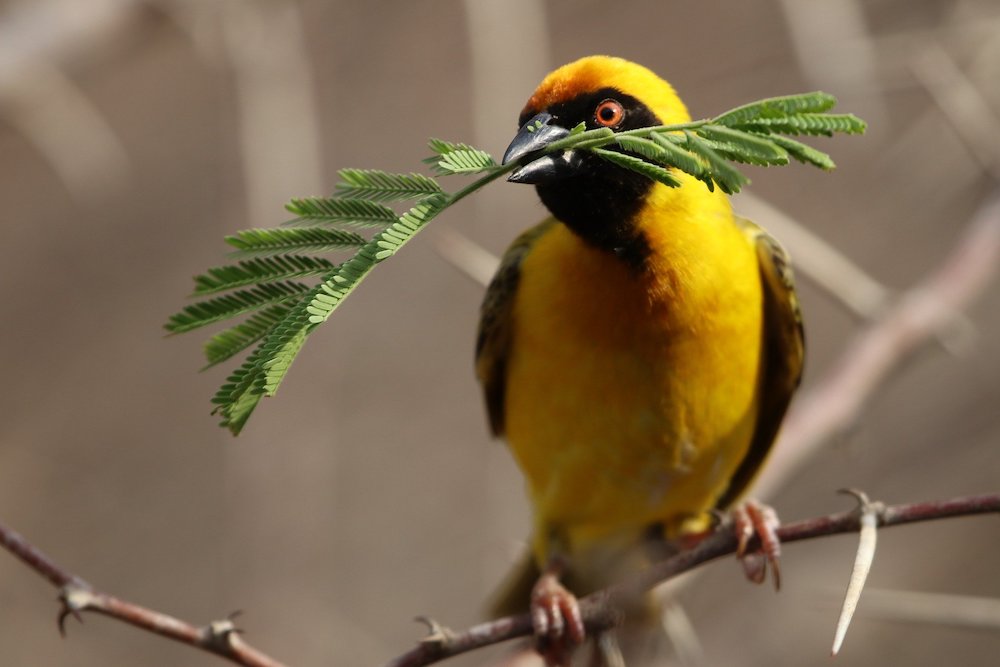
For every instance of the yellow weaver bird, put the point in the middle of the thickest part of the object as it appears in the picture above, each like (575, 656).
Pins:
(637, 350)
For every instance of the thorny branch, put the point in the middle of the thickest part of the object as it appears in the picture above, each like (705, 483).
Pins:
(919, 316)
(77, 596)
(600, 609)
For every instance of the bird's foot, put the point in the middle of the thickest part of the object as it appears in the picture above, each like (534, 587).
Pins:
(753, 518)
(556, 618)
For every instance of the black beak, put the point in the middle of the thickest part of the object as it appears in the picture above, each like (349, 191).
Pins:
(533, 137)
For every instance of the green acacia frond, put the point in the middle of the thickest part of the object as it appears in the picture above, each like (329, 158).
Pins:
(260, 270)
(281, 240)
(234, 304)
(334, 211)
(283, 314)
(263, 371)
(376, 185)
(777, 107)
(227, 344)
(743, 146)
(284, 344)
(647, 169)
(750, 134)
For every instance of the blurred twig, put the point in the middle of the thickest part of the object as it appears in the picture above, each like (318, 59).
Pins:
(963, 104)
(922, 313)
(818, 30)
(219, 637)
(58, 31)
(498, 72)
(473, 260)
(678, 627)
(933, 608)
(45, 105)
(599, 608)
(816, 259)
(278, 112)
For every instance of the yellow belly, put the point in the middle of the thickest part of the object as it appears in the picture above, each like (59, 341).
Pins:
(631, 398)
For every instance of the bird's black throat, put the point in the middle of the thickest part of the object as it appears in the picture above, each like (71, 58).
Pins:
(600, 205)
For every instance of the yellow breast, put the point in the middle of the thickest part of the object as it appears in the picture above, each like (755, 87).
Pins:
(631, 397)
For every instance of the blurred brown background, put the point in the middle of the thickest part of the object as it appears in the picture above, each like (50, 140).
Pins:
(134, 135)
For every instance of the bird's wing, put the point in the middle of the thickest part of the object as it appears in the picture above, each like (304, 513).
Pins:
(782, 355)
(495, 325)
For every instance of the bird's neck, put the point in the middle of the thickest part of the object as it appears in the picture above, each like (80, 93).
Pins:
(602, 210)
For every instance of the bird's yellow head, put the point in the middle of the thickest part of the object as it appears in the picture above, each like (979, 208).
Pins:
(594, 197)
(588, 79)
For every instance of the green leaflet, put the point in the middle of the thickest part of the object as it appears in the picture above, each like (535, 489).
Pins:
(465, 162)
(809, 123)
(803, 153)
(647, 148)
(383, 186)
(647, 169)
(458, 158)
(777, 107)
(279, 240)
(333, 211)
(234, 304)
(259, 270)
(440, 147)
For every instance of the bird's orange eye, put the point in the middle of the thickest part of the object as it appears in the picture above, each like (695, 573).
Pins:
(609, 113)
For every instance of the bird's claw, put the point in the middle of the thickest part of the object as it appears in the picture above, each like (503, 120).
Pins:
(755, 519)
(556, 619)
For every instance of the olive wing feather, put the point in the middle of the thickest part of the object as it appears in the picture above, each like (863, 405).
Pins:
(783, 352)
